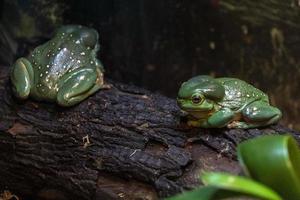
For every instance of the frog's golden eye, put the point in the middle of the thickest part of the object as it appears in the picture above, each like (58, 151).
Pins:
(196, 99)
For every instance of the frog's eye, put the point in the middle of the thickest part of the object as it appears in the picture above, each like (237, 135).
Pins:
(196, 99)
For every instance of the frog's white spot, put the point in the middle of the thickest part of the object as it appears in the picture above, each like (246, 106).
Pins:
(46, 72)
(238, 93)
(41, 75)
(254, 108)
(47, 66)
(248, 95)
(82, 53)
(92, 62)
(77, 42)
(53, 54)
(48, 55)
(65, 49)
(39, 67)
(32, 55)
(63, 33)
(70, 57)
(72, 53)
(58, 48)
(71, 35)
(78, 61)
(88, 48)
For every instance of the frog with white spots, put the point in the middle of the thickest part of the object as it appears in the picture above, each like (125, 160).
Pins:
(225, 102)
(63, 70)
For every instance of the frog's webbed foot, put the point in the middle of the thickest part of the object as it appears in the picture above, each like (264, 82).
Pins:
(106, 86)
(21, 78)
(77, 87)
(241, 125)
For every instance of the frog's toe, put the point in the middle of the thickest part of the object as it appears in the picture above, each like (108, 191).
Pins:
(238, 124)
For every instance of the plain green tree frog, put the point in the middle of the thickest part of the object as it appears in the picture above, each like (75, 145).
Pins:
(225, 102)
(63, 70)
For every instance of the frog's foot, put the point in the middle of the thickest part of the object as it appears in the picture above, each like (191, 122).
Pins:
(261, 114)
(106, 86)
(77, 87)
(21, 78)
(241, 125)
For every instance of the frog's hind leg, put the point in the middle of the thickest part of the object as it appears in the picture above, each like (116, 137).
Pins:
(259, 114)
(22, 78)
(77, 87)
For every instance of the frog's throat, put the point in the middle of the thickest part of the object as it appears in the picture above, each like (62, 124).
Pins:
(203, 114)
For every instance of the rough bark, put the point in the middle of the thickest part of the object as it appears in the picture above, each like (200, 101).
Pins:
(124, 142)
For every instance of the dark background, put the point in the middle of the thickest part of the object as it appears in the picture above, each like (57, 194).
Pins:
(159, 44)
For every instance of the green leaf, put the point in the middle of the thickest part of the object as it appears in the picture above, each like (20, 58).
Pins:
(203, 193)
(221, 185)
(273, 161)
(239, 185)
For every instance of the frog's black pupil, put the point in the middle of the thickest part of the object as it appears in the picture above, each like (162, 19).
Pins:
(196, 99)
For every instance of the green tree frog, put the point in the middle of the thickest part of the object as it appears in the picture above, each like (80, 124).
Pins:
(63, 70)
(225, 102)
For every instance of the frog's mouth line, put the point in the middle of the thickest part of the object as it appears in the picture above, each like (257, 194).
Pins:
(200, 110)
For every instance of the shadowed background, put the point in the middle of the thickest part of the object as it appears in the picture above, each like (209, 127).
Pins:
(159, 44)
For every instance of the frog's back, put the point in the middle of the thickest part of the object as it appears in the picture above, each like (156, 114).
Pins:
(238, 93)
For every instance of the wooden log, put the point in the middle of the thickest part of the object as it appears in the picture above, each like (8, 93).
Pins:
(121, 143)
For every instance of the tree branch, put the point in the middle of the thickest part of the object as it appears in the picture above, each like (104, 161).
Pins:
(123, 142)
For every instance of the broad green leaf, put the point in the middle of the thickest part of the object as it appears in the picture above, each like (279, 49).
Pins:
(273, 161)
(221, 186)
(206, 193)
(240, 185)
(203, 193)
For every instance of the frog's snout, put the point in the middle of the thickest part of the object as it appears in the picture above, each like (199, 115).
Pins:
(180, 102)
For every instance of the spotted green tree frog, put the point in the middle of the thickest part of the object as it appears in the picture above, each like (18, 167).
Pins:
(63, 70)
(225, 102)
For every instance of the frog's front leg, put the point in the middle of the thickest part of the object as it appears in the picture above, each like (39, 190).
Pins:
(219, 119)
(22, 77)
(259, 114)
(79, 85)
